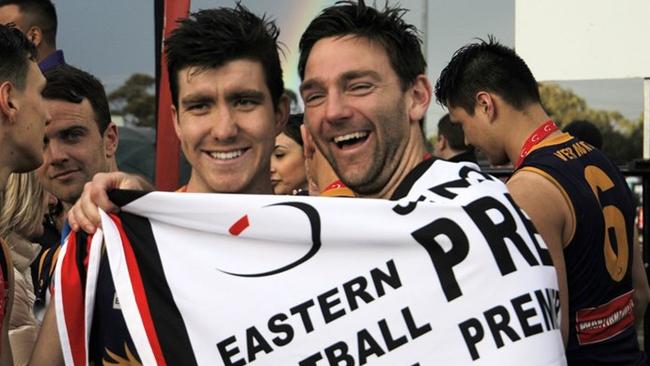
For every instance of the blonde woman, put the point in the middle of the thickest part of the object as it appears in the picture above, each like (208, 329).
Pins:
(21, 220)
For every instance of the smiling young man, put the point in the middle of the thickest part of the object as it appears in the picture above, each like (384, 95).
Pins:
(228, 106)
(228, 102)
(226, 128)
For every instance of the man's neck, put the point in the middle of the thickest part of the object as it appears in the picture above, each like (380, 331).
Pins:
(4, 176)
(112, 165)
(6, 154)
(521, 125)
(45, 52)
(413, 155)
(449, 153)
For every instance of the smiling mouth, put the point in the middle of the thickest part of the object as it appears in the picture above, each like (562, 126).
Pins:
(351, 139)
(226, 155)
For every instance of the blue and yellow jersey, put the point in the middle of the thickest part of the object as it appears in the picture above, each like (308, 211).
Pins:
(599, 255)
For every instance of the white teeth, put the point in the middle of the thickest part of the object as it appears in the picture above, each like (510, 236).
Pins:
(350, 136)
(226, 155)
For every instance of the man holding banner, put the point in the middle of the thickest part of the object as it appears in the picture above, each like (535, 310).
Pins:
(448, 271)
(228, 107)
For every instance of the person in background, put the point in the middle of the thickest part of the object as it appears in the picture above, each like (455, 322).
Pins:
(585, 131)
(37, 20)
(450, 144)
(23, 117)
(80, 141)
(21, 221)
(575, 196)
(288, 162)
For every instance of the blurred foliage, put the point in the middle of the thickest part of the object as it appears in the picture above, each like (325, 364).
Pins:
(135, 101)
(622, 138)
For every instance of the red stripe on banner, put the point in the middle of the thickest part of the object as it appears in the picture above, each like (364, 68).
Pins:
(73, 302)
(140, 295)
(601, 323)
(239, 226)
(167, 144)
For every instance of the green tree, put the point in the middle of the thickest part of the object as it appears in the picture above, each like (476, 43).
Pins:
(622, 138)
(135, 100)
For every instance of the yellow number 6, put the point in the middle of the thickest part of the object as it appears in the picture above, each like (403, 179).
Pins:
(616, 263)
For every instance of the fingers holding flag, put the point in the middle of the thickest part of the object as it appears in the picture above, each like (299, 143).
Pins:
(84, 215)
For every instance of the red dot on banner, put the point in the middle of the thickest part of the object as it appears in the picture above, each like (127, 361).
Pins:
(238, 227)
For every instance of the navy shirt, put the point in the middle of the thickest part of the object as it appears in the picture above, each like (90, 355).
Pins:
(599, 256)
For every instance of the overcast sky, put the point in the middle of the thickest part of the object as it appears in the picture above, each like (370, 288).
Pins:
(114, 39)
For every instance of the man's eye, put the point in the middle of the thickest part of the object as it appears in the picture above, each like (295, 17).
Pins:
(245, 103)
(72, 136)
(360, 87)
(313, 98)
(197, 107)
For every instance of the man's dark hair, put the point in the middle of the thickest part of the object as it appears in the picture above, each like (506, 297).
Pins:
(585, 131)
(211, 38)
(292, 128)
(16, 51)
(386, 27)
(69, 84)
(486, 66)
(453, 132)
(40, 13)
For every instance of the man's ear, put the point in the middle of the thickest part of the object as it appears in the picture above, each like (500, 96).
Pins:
(485, 104)
(8, 105)
(281, 114)
(307, 142)
(177, 127)
(35, 34)
(111, 139)
(420, 93)
(441, 142)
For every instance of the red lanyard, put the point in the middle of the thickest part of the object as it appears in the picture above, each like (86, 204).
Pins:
(535, 138)
(335, 185)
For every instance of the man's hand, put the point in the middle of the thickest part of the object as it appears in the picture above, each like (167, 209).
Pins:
(84, 214)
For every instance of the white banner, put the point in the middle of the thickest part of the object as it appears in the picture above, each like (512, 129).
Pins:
(452, 273)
